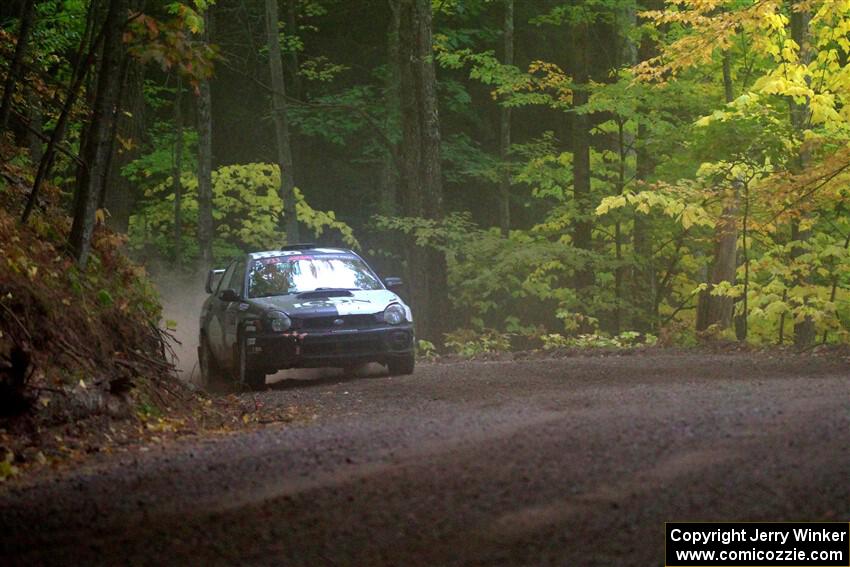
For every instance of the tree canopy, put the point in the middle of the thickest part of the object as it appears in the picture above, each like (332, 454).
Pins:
(543, 173)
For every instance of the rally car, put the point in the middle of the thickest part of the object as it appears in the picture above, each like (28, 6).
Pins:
(301, 306)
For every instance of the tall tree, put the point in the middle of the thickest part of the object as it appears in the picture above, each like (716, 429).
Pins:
(717, 309)
(35, 133)
(804, 329)
(505, 125)
(281, 123)
(421, 186)
(85, 56)
(12, 78)
(644, 279)
(294, 63)
(97, 148)
(389, 171)
(177, 171)
(205, 218)
(121, 192)
(583, 225)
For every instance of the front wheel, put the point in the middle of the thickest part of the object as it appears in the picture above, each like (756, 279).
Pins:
(250, 377)
(401, 365)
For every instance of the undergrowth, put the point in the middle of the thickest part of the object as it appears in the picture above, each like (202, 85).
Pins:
(73, 343)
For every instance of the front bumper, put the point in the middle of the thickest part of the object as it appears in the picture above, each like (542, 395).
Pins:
(294, 349)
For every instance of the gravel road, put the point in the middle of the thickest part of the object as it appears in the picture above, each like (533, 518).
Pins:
(572, 461)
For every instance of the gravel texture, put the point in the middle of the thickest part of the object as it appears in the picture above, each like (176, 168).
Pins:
(570, 461)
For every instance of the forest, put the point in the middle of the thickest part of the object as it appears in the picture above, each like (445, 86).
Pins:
(542, 173)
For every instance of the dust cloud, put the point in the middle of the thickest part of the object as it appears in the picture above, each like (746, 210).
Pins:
(182, 297)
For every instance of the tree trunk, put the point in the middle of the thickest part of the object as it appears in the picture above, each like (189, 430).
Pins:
(35, 133)
(97, 142)
(112, 172)
(294, 64)
(205, 218)
(644, 285)
(27, 16)
(388, 183)
(84, 60)
(712, 309)
(422, 190)
(804, 330)
(583, 227)
(281, 124)
(619, 271)
(505, 127)
(177, 172)
(742, 322)
(625, 149)
(121, 196)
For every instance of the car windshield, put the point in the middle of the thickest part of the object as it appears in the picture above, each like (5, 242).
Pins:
(284, 275)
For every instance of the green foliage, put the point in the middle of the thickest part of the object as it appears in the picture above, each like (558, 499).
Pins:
(247, 212)
(156, 165)
(339, 117)
(467, 342)
(426, 349)
(627, 339)
(173, 41)
(7, 466)
(105, 298)
(671, 159)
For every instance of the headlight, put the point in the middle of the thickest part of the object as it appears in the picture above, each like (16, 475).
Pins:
(279, 322)
(394, 314)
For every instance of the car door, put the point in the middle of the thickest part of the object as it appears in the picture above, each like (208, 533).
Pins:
(215, 325)
(231, 313)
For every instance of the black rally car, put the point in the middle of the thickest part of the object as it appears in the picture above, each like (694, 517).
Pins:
(301, 306)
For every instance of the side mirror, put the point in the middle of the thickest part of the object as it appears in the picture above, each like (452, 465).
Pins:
(393, 283)
(213, 278)
(228, 296)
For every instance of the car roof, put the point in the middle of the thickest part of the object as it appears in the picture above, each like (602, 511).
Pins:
(317, 251)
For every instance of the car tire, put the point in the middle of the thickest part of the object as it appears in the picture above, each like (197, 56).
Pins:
(250, 377)
(401, 365)
(210, 372)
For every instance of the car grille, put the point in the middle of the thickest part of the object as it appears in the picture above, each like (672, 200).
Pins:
(348, 322)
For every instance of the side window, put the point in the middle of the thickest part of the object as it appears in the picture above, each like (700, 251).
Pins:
(237, 282)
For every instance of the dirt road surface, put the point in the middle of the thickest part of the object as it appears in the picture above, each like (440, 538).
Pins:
(574, 461)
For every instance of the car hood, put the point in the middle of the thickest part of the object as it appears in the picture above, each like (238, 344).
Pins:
(360, 302)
